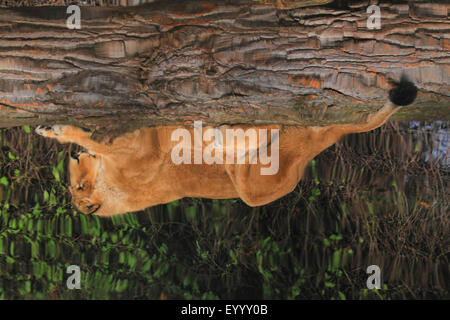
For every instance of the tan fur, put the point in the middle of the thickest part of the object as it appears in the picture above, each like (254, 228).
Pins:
(136, 171)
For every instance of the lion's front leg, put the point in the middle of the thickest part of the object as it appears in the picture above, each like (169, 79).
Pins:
(71, 134)
(63, 133)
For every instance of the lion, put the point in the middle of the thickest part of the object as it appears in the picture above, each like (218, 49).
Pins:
(137, 170)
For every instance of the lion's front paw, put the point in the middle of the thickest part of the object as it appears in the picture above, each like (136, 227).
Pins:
(55, 131)
(63, 133)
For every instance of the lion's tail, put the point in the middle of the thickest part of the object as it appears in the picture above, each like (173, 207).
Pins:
(403, 92)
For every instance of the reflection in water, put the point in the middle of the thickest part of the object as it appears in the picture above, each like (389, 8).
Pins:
(353, 208)
(439, 146)
(371, 199)
(159, 165)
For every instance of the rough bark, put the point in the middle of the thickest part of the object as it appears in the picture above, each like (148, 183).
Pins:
(220, 62)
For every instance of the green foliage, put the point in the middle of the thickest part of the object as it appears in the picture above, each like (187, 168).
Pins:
(4, 181)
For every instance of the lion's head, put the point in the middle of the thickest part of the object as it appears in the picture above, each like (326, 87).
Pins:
(84, 169)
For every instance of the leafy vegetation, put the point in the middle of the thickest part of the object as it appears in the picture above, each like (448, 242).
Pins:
(375, 198)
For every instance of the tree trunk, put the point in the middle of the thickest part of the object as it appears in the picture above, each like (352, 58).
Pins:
(220, 62)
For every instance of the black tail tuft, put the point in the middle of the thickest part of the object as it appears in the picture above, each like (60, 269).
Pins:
(403, 92)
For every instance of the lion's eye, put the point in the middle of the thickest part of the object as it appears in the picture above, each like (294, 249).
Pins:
(80, 187)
